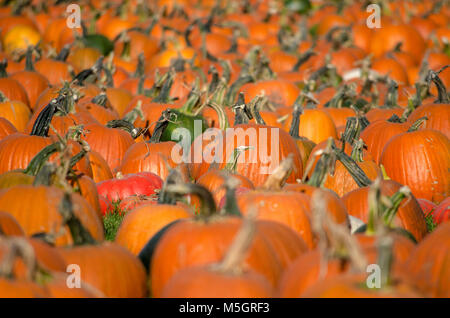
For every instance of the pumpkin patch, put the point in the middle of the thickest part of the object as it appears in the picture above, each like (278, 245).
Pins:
(224, 149)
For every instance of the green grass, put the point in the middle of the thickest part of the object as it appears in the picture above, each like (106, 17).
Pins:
(430, 223)
(112, 221)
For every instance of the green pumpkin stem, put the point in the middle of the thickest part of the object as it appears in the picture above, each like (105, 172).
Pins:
(234, 88)
(29, 65)
(42, 124)
(3, 66)
(161, 125)
(231, 207)
(303, 59)
(134, 114)
(357, 151)
(100, 99)
(64, 53)
(254, 106)
(325, 164)
(160, 91)
(223, 119)
(173, 178)
(207, 207)
(233, 160)
(355, 171)
(193, 99)
(296, 113)
(45, 175)
(41, 158)
(80, 235)
(396, 199)
(392, 95)
(125, 125)
(140, 67)
(18, 247)
(416, 125)
(442, 92)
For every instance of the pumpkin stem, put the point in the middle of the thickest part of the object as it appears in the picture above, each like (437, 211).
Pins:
(325, 164)
(133, 114)
(303, 59)
(125, 125)
(226, 70)
(234, 88)
(18, 247)
(174, 177)
(223, 119)
(81, 77)
(207, 207)
(42, 124)
(278, 178)
(100, 100)
(355, 171)
(254, 106)
(3, 98)
(29, 66)
(392, 95)
(3, 66)
(442, 92)
(345, 93)
(233, 160)
(41, 158)
(357, 151)
(140, 67)
(416, 125)
(395, 201)
(231, 206)
(240, 111)
(334, 239)
(385, 258)
(353, 128)
(296, 113)
(161, 89)
(126, 49)
(238, 249)
(193, 98)
(161, 125)
(79, 233)
(45, 175)
(64, 53)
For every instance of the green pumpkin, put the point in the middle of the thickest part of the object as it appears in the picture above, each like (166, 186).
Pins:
(99, 42)
(180, 119)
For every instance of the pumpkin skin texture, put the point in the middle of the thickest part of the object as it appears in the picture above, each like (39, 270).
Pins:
(387, 37)
(205, 243)
(110, 268)
(44, 202)
(6, 128)
(13, 90)
(144, 183)
(310, 120)
(409, 215)
(349, 286)
(151, 157)
(201, 282)
(34, 84)
(428, 266)
(9, 225)
(280, 93)
(255, 163)
(21, 289)
(378, 133)
(420, 160)
(16, 112)
(99, 166)
(140, 224)
(288, 208)
(442, 212)
(438, 117)
(110, 143)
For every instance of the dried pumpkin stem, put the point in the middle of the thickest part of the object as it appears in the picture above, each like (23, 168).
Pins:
(442, 92)
(235, 256)
(125, 125)
(18, 247)
(417, 124)
(278, 178)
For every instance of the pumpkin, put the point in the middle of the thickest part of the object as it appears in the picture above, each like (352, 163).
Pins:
(140, 224)
(99, 167)
(11, 88)
(18, 38)
(420, 160)
(438, 117)
(44, 202)
(428, 267)
(16, 112)
(6, 128)
(110, 143)
(9, 225)
(442, 212)
(409, 215)
(279, 93)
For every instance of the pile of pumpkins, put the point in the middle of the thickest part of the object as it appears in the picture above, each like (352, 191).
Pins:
(333, 153)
